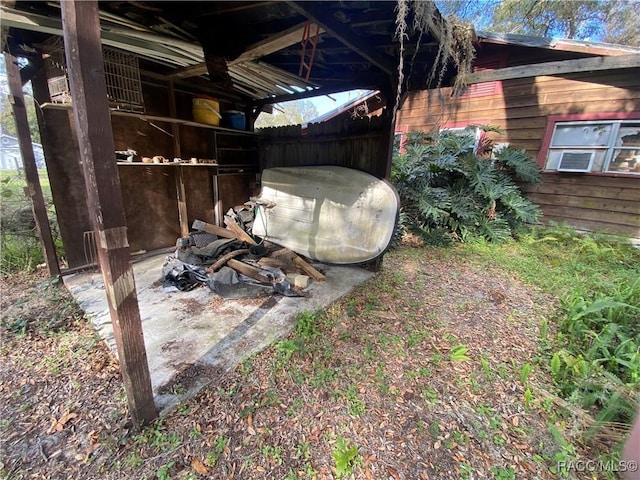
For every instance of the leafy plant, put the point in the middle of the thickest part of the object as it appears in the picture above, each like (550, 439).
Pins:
(600, 362)
(20, 247)
(525, 372)
(346, 457)
(452, 190)
(163, 471)
(306, 325)
(459, 353)
(486, 367)
(218, 448)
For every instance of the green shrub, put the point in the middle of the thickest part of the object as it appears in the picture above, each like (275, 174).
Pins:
(599, 364)
(452, 190)
(20, 247)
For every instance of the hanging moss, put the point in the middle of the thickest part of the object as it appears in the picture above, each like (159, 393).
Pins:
(455, 43)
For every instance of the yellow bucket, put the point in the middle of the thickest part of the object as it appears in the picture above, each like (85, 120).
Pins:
(206, 110)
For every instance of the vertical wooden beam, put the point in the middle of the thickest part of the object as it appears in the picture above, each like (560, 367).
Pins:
(83, 50)
(183, 213)
(175, 128)
(30, 168)
(64, 167)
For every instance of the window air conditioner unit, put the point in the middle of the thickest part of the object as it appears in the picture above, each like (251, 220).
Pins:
(576, 162)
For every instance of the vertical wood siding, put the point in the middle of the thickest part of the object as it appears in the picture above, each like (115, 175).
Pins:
(360, 143)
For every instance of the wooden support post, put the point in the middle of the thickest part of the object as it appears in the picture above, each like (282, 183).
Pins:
(83, 51)
(30, 168)
(183, 214)
(175, 128)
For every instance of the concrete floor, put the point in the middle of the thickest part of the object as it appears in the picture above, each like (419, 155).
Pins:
(193, 337)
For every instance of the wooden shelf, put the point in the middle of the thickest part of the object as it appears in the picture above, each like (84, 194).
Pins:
(168, 164)
(156, 118)
(237, 149)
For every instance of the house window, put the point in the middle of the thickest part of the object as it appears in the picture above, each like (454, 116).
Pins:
(595, 146)
(470, 133)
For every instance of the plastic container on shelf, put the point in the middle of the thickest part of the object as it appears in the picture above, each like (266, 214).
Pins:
(206, 110)
(233, 119)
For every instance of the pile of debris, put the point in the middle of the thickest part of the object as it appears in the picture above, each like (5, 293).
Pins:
(234, 264)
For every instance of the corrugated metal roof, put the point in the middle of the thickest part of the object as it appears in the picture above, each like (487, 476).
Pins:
(584, 46)
(253, 78)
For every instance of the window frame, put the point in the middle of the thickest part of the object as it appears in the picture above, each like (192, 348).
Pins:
(401, 131)
(616, 119)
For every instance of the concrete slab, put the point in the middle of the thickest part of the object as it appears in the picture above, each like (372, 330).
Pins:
(192, 337)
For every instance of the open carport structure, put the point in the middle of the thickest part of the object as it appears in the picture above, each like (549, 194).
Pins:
(122, 76)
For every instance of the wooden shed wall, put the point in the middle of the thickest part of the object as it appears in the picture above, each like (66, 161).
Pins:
(595, 202)
(361, 144)
(150, 191)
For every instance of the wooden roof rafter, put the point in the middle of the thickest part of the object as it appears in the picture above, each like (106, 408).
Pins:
(267, 46)
(314, 12)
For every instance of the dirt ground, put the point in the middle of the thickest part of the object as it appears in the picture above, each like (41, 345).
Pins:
(433, 369)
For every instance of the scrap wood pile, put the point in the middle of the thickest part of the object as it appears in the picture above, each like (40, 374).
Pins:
(234, 264)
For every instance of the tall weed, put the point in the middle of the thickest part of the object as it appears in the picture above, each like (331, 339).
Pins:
(20, 247)
(602, 330)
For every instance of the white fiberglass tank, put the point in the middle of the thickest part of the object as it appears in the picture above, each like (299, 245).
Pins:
(327, 213)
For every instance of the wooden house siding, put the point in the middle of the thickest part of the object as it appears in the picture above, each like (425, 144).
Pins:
(594, 202)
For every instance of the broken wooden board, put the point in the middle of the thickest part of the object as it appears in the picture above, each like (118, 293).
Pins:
(214, 229)
(290, 259)
(327, 213)
(238, 231)
(248, 270)
(220, 262)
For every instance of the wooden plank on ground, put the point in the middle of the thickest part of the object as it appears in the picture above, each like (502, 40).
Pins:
(248, 270)
(280, 263)
(85, 63)
(308, 269)
(287, 255)
(30, 168)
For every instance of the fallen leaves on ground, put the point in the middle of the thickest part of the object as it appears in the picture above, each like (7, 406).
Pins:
(383, 372)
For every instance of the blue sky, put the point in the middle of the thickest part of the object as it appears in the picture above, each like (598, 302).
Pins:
(325, 104)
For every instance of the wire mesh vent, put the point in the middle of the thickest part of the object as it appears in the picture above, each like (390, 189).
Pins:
(122, 76)
(122, 73)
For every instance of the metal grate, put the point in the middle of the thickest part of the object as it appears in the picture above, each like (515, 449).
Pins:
(122, 76)
(56, 70)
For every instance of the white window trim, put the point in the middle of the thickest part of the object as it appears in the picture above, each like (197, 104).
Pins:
(610, 148)
(468, 128)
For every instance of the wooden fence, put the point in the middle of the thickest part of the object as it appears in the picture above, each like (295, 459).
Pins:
(361, 143)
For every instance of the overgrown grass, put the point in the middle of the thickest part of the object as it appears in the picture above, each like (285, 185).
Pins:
(19, 244)
(595, 357)
(560, 261)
